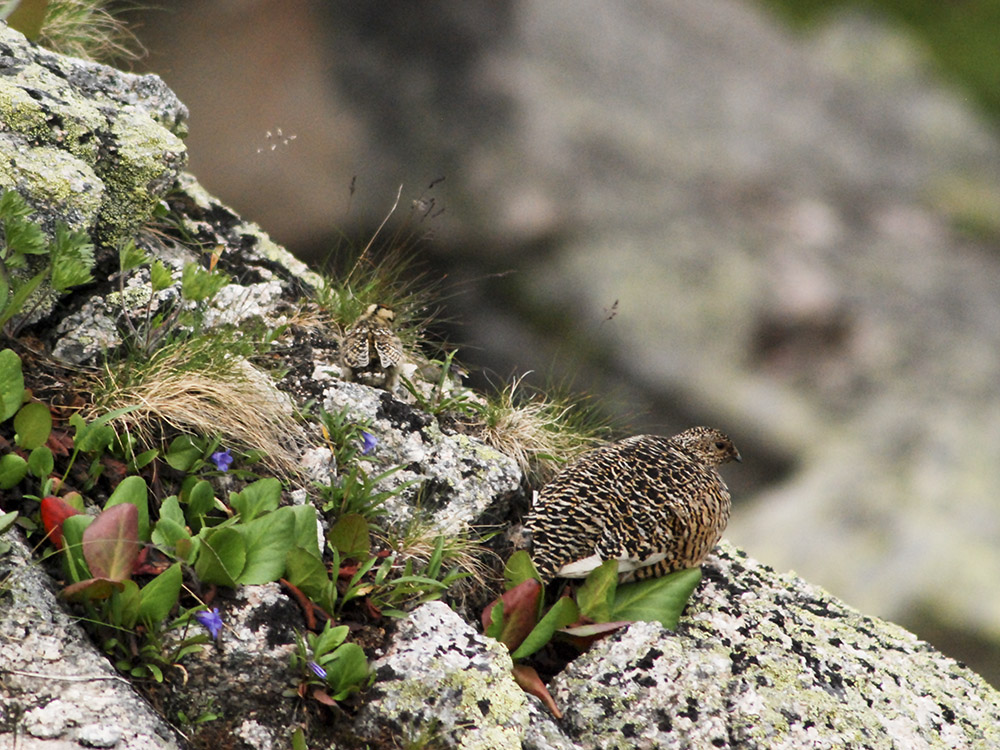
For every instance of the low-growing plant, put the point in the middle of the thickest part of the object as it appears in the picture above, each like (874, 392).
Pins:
(541, 432)
(601, 605)
(446, 394)
(330, 669)
(28, 258)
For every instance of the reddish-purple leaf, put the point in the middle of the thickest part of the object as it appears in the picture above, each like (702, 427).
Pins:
(532, 684)
(520, 613)
(111, 542)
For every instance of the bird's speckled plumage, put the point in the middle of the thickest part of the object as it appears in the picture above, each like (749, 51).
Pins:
(656, 504)
(370, 352)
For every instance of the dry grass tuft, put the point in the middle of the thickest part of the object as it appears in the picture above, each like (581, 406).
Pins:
(228, 397)
(541, 433)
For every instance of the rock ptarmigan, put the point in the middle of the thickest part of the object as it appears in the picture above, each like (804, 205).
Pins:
(655, 504)
(370, 352)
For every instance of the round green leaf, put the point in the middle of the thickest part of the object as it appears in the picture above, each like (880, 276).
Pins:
(40, 462)
(13, 468)
(32, 425)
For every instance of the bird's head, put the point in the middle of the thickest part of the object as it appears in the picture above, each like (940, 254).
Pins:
(710, 445)
(381, 313)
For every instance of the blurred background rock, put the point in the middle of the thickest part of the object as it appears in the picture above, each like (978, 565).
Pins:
(775, 220)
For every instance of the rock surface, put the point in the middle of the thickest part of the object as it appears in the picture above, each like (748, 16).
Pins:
(56, 689)
(759, 660)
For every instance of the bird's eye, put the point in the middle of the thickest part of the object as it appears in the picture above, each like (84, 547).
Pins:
(720, 446)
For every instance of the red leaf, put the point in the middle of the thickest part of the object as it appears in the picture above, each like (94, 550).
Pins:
(532, 684)
(323, 698)
(520, 613)
(54, 511)
(111, 542)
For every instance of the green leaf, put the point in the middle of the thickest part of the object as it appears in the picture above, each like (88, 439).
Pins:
(519, 568)
(257, 498)
(7, 520)
(268, 540)
(160, 276)
(20, 233)
(328, 639)
(347, 672)
(200, 501)
(562, 613)
(199, 284)
(307, 572)
(93, 437)
(133, 490)
(11, 383)
(124, 609)
(13, 469)
(21, 293)
(72, 534)
(40, 462)
(72, 258)
(351, 537)
(657, 600)
(596, 597)
(130, 256)
(183, 453)
(159, 596)
(32, 425)
(111, 542)
(307, 530)
(221, 556)
(144, 459)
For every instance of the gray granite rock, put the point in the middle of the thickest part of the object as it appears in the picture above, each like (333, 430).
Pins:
(443, 681)
(56, 689)
(762, 660)
(759, 660)
(454, 478)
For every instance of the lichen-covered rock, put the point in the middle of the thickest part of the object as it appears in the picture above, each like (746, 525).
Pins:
(86, 144)
(443, 682)
(455, 477)
(762, 660)
(241, 677)
(56, 690)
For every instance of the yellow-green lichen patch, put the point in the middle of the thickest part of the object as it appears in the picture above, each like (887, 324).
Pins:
(147, 162)
(55, 179)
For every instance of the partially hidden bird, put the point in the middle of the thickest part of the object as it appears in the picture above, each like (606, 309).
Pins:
(371, 353)
(655, 504)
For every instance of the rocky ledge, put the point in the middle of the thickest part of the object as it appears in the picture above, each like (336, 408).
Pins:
(759, 660)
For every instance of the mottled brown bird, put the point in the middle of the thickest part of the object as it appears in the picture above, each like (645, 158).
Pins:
(655, 504)
(370, 352)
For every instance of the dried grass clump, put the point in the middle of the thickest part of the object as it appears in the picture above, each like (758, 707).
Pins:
(540, 432)
(194, 388)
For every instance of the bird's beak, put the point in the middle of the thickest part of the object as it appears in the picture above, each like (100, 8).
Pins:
(738, 457)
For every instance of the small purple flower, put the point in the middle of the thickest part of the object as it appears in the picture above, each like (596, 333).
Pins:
(222, 459)
(317, 670)
(369, 442)
(211, 620)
